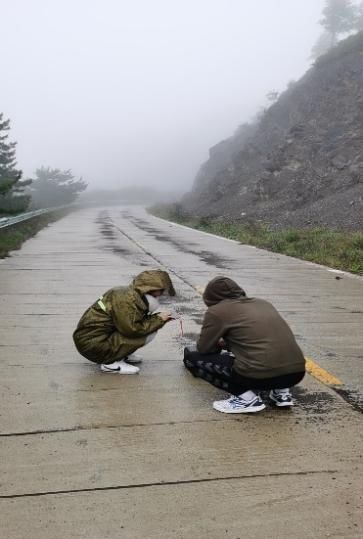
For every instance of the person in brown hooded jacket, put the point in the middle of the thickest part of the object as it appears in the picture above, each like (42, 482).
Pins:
(122, 320)
(264, 354)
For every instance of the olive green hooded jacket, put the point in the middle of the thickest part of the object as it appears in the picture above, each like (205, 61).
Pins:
(260, 339)
(118, 323)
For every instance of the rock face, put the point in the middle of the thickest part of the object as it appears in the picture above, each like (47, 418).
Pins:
(302, 163)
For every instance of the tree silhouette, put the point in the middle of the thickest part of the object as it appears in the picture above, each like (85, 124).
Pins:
(338, 18)
(359, 17)
(54, 187)
(12, 198)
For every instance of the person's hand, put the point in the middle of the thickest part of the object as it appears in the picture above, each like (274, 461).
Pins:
(165, 315)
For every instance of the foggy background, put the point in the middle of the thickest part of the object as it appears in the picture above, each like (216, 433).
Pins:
(135, 92)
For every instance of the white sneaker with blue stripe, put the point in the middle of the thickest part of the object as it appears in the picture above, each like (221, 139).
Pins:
(281, 397)
(237, 405)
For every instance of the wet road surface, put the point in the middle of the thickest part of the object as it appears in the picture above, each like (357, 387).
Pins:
(85, 454)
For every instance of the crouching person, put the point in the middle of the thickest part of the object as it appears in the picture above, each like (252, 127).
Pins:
(264, 353)
(123, 320)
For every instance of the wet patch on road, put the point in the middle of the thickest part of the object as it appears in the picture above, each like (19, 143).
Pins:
(198, 319)
(102, 216)
(316, 406)
(213, 260)
(120, 251)
(187, 299)
(107, 229)
(314, 403)
(323, 403)
(183, 310)
(352, 396)
(106, 226)
(210, 258)
(191, 336)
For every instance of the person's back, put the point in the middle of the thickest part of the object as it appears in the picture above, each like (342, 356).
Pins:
(99, 321)
(259, 338)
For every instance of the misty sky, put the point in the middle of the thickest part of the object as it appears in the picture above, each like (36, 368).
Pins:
(135, 92)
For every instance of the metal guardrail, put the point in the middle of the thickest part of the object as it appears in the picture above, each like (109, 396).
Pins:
(10, 221)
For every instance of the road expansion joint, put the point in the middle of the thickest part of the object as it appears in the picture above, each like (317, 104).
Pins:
(168, 483)
(106, 427)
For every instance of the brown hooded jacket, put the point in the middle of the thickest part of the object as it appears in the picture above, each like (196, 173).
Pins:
(117, 324)
(261, 341)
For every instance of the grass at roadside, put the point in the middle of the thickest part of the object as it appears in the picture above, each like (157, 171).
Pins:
(13, 237)
(340, 250)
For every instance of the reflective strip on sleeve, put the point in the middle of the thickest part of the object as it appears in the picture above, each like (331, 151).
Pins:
(101, 304)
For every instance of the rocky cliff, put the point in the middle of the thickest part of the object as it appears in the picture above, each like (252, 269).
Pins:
(301, 164)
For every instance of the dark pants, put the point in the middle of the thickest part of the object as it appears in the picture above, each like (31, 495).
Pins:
(217, 369)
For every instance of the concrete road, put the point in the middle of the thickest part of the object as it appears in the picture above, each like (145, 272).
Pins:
(91, 455)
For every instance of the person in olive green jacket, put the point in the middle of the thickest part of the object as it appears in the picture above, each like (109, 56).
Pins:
(264, 354)
(123, 320)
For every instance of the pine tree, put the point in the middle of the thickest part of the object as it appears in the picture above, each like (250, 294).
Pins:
(338, 18)
(12, 199)
(359, 17)
(55, 187)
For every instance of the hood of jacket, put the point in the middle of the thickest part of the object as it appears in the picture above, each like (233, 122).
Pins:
(150, 280)
(221, 288)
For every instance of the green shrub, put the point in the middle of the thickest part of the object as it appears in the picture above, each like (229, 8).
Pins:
(340, 250)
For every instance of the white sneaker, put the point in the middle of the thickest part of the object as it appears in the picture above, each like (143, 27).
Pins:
(133, 359)
(119, 367)
(236, 405)
(281, 397)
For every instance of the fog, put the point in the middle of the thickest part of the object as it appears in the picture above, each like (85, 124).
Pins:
(135, 92)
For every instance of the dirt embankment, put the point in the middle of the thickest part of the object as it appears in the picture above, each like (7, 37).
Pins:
(301, 165)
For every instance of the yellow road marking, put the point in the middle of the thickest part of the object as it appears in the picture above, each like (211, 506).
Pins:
(321, 374)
